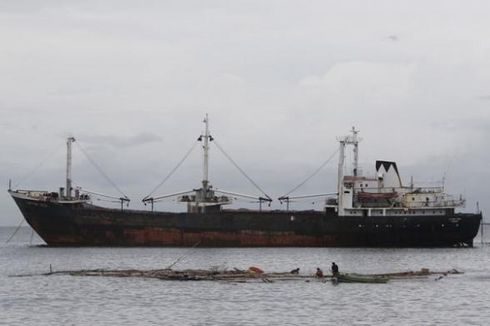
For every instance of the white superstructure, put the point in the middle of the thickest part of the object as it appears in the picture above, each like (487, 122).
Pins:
(384, 194)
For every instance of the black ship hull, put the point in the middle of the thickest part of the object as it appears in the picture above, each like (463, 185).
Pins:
(82, 224)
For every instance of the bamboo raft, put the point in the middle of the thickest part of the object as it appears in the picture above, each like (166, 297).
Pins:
(253, 274)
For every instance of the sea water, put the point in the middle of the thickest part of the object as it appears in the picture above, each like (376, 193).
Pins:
(462, 299)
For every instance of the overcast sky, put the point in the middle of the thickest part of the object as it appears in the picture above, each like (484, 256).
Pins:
(132, 80)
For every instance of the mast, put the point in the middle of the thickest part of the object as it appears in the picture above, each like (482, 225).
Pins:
(207, 137)
(355, 142)
(346, 140)
(69, 141)
(340, 176)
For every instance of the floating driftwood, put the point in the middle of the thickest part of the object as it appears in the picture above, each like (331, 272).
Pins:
(424, 272)
(235, 275)
(239, 275)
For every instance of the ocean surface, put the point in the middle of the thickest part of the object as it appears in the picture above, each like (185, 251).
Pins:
(74, 300)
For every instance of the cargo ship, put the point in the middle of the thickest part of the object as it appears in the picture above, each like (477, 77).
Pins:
(378, 211)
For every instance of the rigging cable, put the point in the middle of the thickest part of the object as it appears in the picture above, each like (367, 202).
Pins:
(16, 230)
(28, 175)
(239, 169)
(313, 174)
(32, 236)
(190, 252)
(100, 170)
(173, 170)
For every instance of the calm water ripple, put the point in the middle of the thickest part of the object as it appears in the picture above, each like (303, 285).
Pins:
(70, 300)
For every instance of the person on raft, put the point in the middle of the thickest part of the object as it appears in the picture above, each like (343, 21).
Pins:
(335, 269)
(319, 273)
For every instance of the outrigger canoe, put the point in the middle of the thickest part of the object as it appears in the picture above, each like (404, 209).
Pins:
(359, 278)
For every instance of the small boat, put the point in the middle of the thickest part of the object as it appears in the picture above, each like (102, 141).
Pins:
(359, 278)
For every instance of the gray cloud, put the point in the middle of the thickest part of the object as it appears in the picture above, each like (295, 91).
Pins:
(393, 37)
(280, 80)
(122, 141)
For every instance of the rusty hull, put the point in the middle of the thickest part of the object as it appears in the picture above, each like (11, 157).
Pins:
(83, 224)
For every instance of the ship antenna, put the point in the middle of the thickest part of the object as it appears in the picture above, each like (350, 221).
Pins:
(69, 141)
